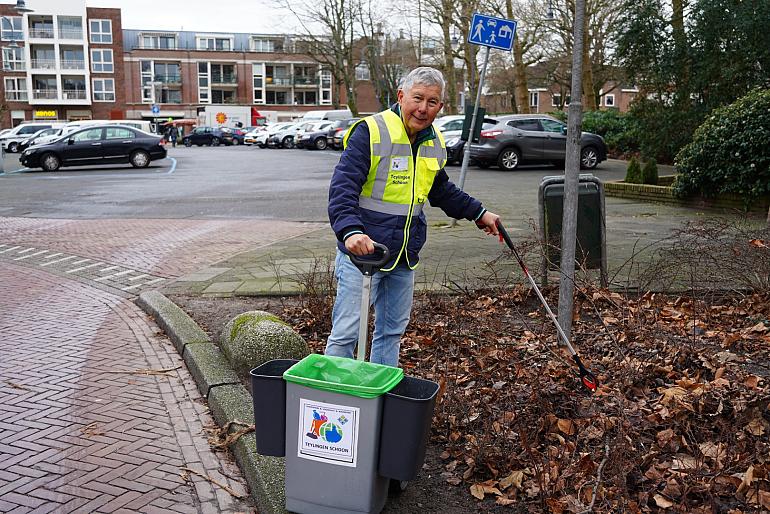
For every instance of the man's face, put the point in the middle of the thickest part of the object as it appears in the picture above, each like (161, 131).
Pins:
(419, 106)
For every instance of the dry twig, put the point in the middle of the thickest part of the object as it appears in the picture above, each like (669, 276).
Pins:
(186, 472)
(18, 386)
(164, 371)
(221, 438)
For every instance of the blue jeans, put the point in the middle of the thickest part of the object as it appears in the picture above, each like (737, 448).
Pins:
(392, 300)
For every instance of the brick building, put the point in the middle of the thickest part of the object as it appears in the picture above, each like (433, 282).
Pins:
(61, 61)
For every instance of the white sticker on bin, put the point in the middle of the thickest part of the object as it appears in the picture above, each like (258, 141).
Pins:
(328, 433)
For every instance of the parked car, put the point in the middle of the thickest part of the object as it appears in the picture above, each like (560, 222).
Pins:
(261, 139)
(238, 135)
(455, 145)
(108, 144)
(451, 122)
(43, 134)
(337, 132)
(285, 137)
(10, 140)
(250, 137)
(208, 136)
(314, 136)
(533, 138)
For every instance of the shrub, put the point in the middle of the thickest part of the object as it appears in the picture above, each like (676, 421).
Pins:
(634, 172)
(730, 151)
(660, 130)
(650, 172)
(617, 129)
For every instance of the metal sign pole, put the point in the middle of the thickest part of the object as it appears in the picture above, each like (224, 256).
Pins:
(467, 150)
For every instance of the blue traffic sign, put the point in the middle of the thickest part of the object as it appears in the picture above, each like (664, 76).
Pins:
(155, 108)
(492, 32)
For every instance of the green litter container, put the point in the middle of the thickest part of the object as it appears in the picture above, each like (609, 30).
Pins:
(333, 419)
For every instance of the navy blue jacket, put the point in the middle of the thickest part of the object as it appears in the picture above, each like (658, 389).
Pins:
(348, 218)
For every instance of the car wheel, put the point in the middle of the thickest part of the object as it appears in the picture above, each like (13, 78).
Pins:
(261, 145)
(50, 162)
(509, 159)
(589, 158)
(13, 147)
(187, 143)
(288, 142)
(215, 141)
(139, 159)
(320, 143)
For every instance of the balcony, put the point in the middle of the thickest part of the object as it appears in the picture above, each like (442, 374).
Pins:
(74, 94)
(43, 64)
(70, 34)
(306, 81)
(14, 66)
(278, 81)
(72, 64)
(46, 33)
(168, 79)
(16, 96)
(224, 80)
(45, 94)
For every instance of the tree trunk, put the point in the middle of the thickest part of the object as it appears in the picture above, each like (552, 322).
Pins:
(680, 44)
(589, 94)
(520, 71)
(449, 61)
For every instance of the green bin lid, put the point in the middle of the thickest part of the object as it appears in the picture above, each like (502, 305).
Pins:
(345, 376)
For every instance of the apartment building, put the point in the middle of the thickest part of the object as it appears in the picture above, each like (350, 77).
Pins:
(62, 61)
(183, 73)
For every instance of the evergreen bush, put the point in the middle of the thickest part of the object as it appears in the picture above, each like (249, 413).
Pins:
(650, 172)
(634, 172)
(730, 151)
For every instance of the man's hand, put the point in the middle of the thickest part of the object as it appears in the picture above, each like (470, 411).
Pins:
(359, 244)
(488, 223)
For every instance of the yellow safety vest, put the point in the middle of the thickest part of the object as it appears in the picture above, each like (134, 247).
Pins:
(395, 185)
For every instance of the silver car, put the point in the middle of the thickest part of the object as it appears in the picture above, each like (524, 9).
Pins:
(531, 139)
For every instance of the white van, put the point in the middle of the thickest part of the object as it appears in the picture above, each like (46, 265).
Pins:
(333, 115)
(11, 139)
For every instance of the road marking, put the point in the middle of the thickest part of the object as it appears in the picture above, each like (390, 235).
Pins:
(25, 251)
(30, 255)
(79, 262)
(58, 260)
(153, 281)
(10, 249)
(105, 270)
(173, 167)
(114, 275)
(138, 277)
(52, 255)
(81, 268)
(128, 288)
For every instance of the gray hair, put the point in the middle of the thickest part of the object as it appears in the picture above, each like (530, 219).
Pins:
(425, 76)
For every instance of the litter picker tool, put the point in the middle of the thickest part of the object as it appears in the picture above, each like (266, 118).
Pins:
(368, 266)
(589, 379)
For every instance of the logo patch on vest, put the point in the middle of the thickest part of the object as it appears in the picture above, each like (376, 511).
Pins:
(399, 163)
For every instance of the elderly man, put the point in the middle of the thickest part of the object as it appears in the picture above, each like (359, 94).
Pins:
(392, 164)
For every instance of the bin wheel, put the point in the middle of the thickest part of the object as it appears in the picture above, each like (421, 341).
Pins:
(397, 486)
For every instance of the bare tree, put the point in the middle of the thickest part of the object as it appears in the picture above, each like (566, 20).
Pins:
(334, 48)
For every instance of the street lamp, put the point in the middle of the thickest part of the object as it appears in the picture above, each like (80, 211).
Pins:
(21, 7)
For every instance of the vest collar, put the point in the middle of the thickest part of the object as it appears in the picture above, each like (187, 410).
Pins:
(425, 134)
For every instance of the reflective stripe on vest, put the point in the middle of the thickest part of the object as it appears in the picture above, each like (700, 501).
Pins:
(397, 183)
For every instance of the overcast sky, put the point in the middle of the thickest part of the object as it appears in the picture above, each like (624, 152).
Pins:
(201, 15)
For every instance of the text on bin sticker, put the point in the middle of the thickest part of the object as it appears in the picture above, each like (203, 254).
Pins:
(328, 433)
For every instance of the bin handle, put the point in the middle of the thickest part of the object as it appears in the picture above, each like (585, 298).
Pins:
(369, 266)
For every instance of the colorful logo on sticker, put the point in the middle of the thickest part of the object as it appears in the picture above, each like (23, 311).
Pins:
(322, 428)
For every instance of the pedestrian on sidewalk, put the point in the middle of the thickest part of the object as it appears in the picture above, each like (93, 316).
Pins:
(392, 164)
(174, 134)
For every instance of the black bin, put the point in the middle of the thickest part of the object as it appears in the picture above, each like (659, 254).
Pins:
(268, 391)
(406, 418)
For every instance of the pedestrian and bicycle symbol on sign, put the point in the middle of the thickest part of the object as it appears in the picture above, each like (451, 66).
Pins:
(492, 32)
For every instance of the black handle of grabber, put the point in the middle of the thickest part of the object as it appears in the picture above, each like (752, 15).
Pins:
(589, 379)
(369, 265)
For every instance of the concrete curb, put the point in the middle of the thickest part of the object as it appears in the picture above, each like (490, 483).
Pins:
(228, 399)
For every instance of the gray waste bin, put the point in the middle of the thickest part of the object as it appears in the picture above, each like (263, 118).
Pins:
(333, 420)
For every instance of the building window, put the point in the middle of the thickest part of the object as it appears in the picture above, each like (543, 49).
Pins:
(258, 74)
(263, 45)
(609, 100)
(158, 41)
(16, 89)
(204, 83)
(277, 97)
(148, 92)
(556, 102)
(70, 28)
(222, 96)
(171, 96)
(101, 61)
(306, 98)
(534, 99)
(167, 72)
(214, 43)
(101, 31)
(11, 28)
(13, 59)
(326, 87)
(362, 71)
(104, 90)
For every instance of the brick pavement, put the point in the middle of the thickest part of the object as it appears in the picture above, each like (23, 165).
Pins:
(83, 426)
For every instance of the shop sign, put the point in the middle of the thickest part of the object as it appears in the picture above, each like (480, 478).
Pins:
(46, 113)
